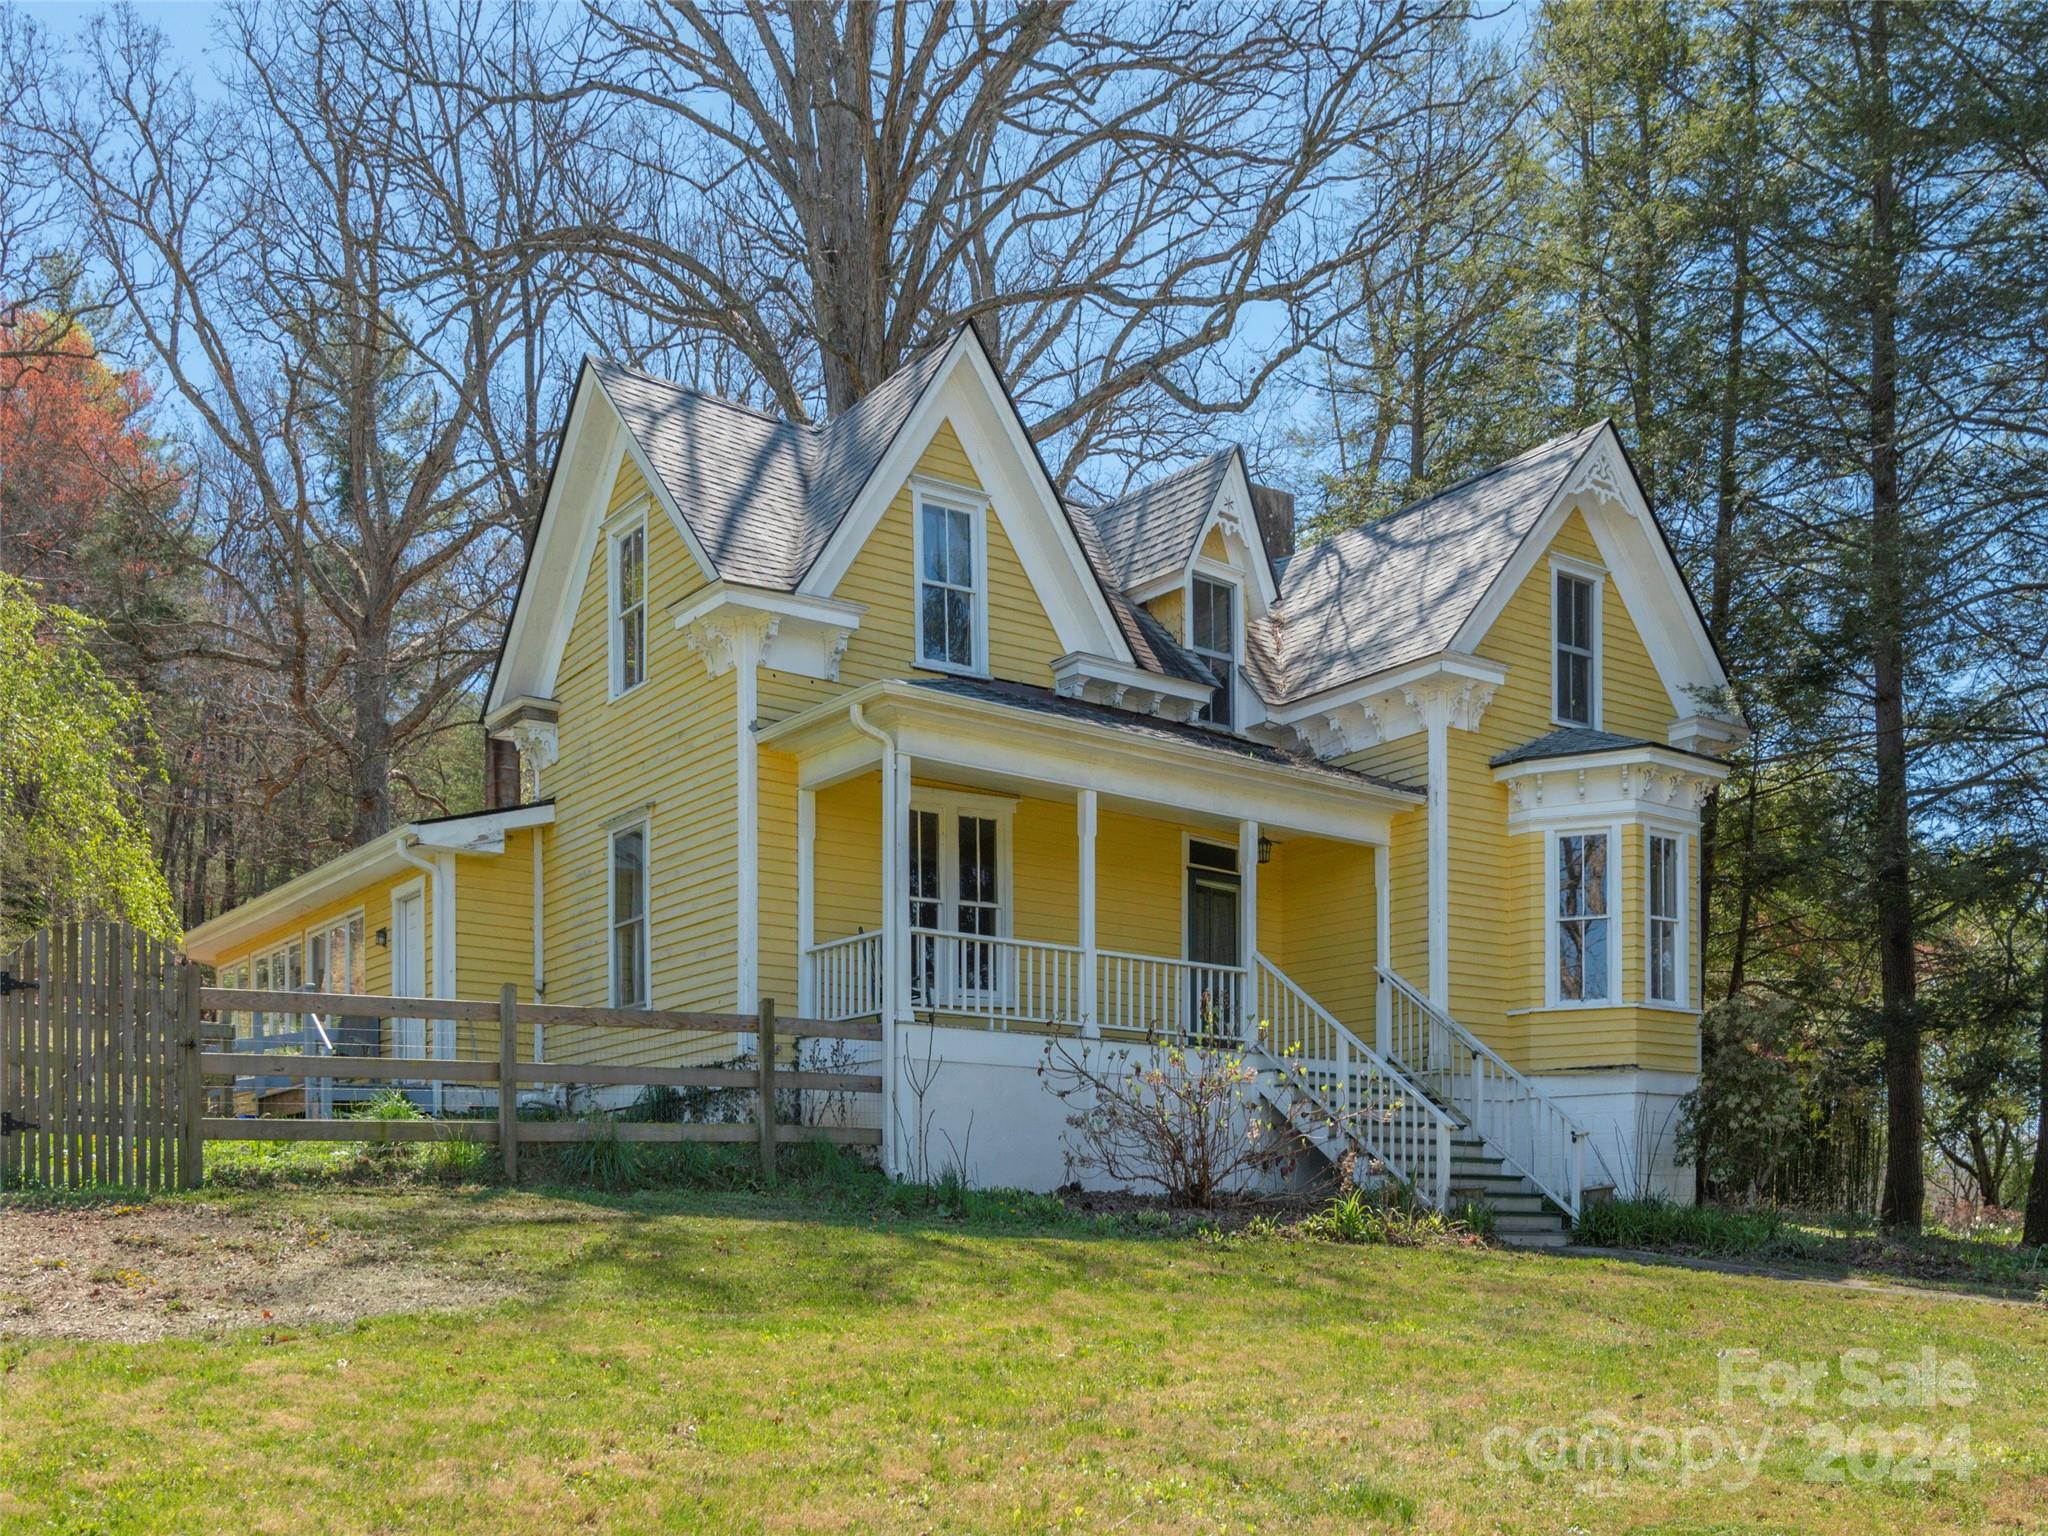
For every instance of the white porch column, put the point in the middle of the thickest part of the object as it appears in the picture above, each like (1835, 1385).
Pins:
(806, 901)
(1436, 718)
(896, 993)
(1248, 939)
(1383, 938)
(1084, 823)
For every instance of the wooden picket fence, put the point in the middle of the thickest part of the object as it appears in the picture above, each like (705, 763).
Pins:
(102, 1071)
(99, 1060)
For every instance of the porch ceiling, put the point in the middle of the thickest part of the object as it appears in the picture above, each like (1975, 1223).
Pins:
(1037, 743)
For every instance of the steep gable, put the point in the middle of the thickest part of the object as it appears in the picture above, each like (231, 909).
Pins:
(1022, 642)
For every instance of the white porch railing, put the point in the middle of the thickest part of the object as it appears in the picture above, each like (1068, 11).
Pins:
(1505, 1109)
(846, 977)
(1389, 1118)
(1163, 996)
(1000, 981)
(1006, 982)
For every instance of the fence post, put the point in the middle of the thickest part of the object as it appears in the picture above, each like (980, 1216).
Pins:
(765, 1046)
(191, 1091)
(508, 1080)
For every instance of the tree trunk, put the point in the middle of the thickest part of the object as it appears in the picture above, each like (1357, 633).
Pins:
(1904, 1175)
(2036, 1234)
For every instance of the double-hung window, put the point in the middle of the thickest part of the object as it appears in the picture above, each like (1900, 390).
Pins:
(950, 618)
(1580, 926)
(629, 607)
(629, 916)
(1212, 635)
(1666, 961)
(1576, 610)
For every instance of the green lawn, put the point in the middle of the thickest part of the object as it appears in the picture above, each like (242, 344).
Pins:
(722, 1362)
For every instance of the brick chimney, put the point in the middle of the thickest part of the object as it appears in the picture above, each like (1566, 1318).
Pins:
(1275, 512)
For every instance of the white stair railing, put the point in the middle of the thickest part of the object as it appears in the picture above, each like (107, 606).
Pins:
(1506, 1110)
(1159, 995)
(1391, 1119)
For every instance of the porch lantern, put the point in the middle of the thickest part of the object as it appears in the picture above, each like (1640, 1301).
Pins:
(1265, 849)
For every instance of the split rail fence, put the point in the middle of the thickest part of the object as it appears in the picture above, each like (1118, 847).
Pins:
(103, 1070)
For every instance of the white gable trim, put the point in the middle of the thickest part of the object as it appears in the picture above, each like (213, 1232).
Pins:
(1232, 510)
(1603, 489)
(967, 393)
(595, 444)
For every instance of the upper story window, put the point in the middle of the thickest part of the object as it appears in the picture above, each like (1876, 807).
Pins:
(629, 607)
(1665, 966)
(952, 617)
(629, 916)
(1212, 635)
(1576, 609)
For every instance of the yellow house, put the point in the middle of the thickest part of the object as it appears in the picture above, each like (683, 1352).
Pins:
(864, 717)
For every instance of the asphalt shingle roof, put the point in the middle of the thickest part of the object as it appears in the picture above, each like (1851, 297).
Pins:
(761, 494)
(1044, 701)
(1579, 741)
(1398, 589)
(1152, 531)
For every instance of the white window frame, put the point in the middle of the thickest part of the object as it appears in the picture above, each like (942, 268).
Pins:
(975, 505)
(1594, 576)
(1222, 576)
(623, 528)
(340, 920)
(1616, 919)
(1682, 935)
(643, 824)
(949, 805)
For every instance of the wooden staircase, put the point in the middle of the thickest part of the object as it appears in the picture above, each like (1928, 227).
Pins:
(1523, 1216)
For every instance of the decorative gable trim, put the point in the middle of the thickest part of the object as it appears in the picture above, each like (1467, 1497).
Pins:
(1231, 513)
(595, 443)
(1390, 705)
(1603, 489)
(967, 392)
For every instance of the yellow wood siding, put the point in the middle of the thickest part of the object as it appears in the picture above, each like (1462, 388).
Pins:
(1497, 966)
(667, 749)
(1322, 893)
(1170, 609)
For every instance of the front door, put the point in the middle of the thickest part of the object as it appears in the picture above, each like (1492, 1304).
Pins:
(409, 970)
(1215, 894)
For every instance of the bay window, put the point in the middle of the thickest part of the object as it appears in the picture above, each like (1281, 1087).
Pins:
(1580, 938)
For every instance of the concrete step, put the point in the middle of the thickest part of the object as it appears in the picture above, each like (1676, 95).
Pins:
(1557, 1238)
(1546, 1221)
(1511, 1205)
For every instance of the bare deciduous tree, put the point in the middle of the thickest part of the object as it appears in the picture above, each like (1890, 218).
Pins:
(331, 268)
(1111, 192)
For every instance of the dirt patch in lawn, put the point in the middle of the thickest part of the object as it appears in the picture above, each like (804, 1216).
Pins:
(137, 1272)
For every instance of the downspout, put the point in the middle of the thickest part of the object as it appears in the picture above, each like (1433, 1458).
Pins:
(892, 959)
(539, 952)
(441, 919)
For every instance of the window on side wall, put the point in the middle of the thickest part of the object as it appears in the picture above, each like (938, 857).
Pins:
(629, 917)
(1576, 618)
(950, 615)
(1212, 635)
(1665, 964)
(629, 607)
(1580, 930)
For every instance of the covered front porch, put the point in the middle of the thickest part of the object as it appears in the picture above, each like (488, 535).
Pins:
(1051, 867)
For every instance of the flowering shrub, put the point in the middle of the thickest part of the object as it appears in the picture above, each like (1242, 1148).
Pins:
(1175, 1114)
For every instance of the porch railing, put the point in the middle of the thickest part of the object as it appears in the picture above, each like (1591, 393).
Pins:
(1505, 1109)
(1378, 1108)
(1006, 982)
(846, 977)
(998, 980)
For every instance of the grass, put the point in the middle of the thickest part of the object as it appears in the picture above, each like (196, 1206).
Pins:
(1984, 1255)
(844, 1356)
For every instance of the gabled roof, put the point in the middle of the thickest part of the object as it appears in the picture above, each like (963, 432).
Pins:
(1151, 532)
(762, 494)
(1399, 589)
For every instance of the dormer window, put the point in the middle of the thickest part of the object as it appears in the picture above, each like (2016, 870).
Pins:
(1576, 666)
(951, 616)
(1212, 635)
